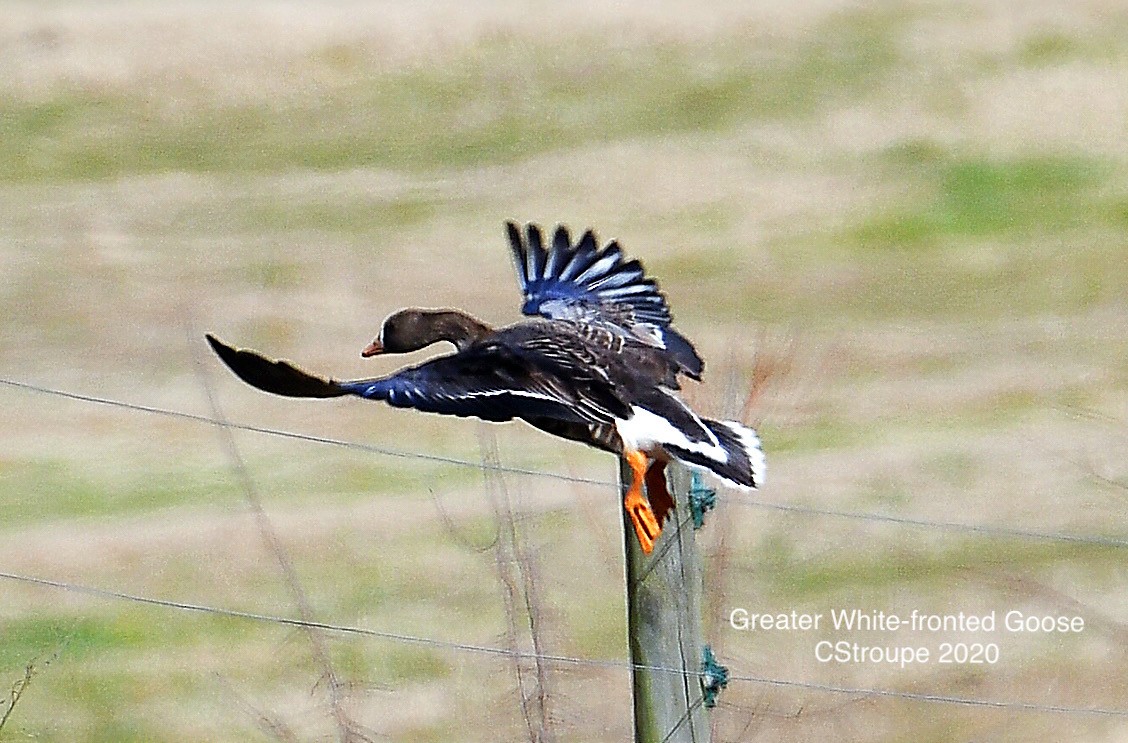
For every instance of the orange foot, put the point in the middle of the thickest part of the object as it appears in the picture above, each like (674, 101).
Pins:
(646, 525)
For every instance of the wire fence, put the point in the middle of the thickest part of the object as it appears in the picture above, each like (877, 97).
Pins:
(551, 658)
(742, 499)
(859, 692)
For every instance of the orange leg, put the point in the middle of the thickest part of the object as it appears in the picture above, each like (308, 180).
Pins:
(638, 508)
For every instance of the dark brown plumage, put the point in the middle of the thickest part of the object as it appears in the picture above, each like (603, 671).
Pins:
(599, 365)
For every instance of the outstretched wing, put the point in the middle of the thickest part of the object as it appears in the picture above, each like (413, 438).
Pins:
(583, 283)
(486, 381)
(275, 377)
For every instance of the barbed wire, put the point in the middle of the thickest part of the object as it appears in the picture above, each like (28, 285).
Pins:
(552, 658)
(743, 500)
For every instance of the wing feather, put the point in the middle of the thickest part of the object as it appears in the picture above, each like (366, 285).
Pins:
(579, 282)
(488, 381)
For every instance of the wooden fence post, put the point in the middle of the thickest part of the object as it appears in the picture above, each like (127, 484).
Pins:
(664, 622)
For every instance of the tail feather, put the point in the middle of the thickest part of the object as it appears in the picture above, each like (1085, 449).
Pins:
(745, 466)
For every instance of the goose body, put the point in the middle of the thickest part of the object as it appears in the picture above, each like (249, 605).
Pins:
(599, 363)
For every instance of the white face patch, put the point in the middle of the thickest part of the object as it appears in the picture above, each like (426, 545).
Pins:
(646, 431)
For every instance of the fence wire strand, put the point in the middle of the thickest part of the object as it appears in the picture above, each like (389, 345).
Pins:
(369, 448)
(742, 499)
(989, 530)
(106, 593)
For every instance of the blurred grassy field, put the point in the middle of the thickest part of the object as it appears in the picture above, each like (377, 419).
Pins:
(917, 213)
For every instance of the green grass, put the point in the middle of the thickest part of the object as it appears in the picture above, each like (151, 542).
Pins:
(409, 665)
(996, 411)
(1051, 47)
(44, 489)
(983, 198)
(870, 574)
(89, 639)
(900, 270)
(502, 101)
(971, 237)
(34, 490)
(821, 434)
(335, 214)
(27, 639)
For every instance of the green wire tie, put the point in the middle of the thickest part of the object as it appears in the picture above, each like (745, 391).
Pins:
(701, 500)
(714, 677)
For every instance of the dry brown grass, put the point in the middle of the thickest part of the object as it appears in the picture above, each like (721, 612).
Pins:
(967, 372)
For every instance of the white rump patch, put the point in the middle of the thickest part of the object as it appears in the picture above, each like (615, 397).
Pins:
(646, 431)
